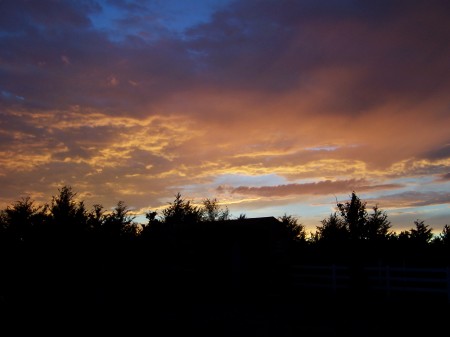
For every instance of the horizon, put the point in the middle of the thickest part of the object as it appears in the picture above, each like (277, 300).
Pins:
(272, 107)
(140, 219)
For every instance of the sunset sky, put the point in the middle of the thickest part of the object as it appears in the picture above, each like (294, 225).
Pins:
(272, 107)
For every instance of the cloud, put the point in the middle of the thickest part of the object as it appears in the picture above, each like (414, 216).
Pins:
(445, 177)
(319, 52)
(411, 199)
(284, 45)
(23, 16)
(321, 187)
(442, 152)
(118, 96)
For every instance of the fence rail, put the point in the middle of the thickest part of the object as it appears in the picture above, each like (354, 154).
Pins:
(387, 280)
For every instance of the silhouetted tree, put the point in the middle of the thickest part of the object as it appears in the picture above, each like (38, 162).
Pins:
(181, 211)
(22, 219)
(378, 225)
(96, 218)
(404, 236)
(152, 229)
(3, 222)
(152, 219)
(333, 229)
(422, 234)
(68, 216)
(354, 215)
(119, 223)
(441, 243)
(445, 235)
(294, 230)
(212, 211)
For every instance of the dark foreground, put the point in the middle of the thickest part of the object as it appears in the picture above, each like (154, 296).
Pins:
(243, 313)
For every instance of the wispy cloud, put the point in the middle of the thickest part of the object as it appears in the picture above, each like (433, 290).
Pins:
(321, 187)
(413, 199)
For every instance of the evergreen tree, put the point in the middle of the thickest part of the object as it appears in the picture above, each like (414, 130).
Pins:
(181, 211)
(23, 219)
(354, 215)
(96, 218)
(333, 229)
(421, 234)
(378, 225)
(212, 211)
(294, 230)
(445, 235)
(119, 223)
(68, 216)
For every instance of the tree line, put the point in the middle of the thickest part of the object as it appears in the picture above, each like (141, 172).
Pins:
(67, 218)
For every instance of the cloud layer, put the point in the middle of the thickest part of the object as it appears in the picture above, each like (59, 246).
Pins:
(127, 100)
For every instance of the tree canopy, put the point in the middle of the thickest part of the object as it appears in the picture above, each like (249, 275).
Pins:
(67, 217)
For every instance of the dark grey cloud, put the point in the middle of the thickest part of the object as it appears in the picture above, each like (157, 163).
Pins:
(54, 65)
(53, 56)
(321, 187)
(445, 177)
(31, 17)
(415, 199)
(387, 47)
(442, 152)
(129, 6)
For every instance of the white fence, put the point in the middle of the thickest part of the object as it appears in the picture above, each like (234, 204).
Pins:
(387, 280)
